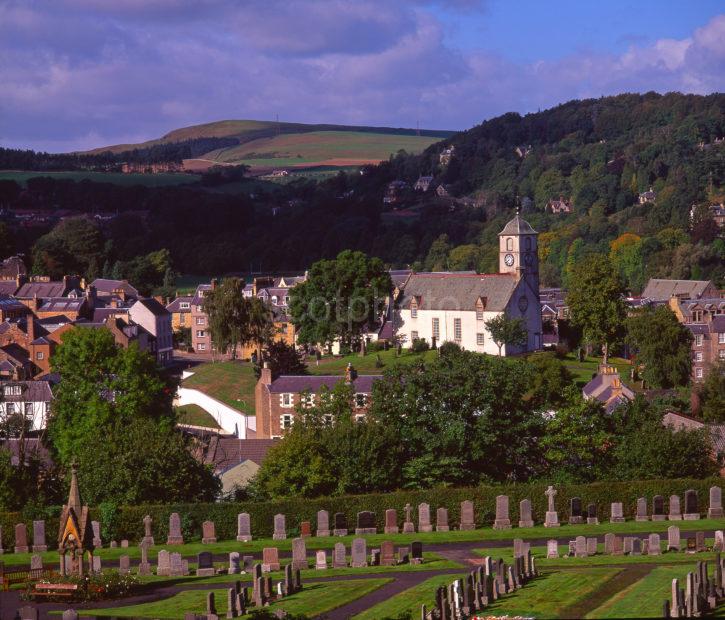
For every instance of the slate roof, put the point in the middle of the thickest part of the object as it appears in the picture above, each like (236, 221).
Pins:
(103, 285)
(175, 306)
(517, 226)
(101, 314)
(661, 290)
(226, 452)
(8, 287)
(153, 306)
(32, 392)
(295, 384)
(450, 291)
(198, 299)
(12, 267)
(61, 304)
(8, 303)
(42, 289)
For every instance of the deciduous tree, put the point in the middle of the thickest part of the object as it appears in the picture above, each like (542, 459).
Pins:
(506, 330)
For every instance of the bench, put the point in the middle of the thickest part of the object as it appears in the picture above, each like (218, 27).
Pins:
(13, 577)
(55, 589)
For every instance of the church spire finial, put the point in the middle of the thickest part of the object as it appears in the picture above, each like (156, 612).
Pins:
(74, 495)
(518, 205)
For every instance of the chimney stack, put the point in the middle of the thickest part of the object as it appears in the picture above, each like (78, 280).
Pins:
(266, 375)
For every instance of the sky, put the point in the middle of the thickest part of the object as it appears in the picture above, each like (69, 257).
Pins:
(79, 74)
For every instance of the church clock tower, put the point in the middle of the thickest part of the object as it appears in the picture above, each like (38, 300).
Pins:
(518, 252)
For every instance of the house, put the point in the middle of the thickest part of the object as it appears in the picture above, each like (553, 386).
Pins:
(441, 307)
(442, 191)
(662, 290)
(153, 317)
(276, 400)
(236, 461)
(40, 286)
(679, 421)
(523, 150)
(553, 310)
(648, 196)
(120, 289)
(717, 212)
(560, 206)
(30, 400)
(394, 192)
(608, 389)
(200, 336)
(444, 158)
(11, 309)
(180, 310)
(423, 183)
(12, 267)
(705, 318)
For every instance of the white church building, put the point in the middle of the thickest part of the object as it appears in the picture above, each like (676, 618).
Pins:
(455, 306)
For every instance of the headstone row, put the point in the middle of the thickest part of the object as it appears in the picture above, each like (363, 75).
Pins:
(701, 593)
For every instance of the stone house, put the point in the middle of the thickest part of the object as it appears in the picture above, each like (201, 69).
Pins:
(153, 317)
(394, 192)
(30, 399)
(277, 400)
(608, 389)
(562, 205)
(423, 184)
(445, 156)
(455, 306)
(120, 289)
(180, 310)
(661, 290)
(648, 196)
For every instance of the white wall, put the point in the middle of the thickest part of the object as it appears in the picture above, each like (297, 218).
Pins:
(227, 417)
(39, 415)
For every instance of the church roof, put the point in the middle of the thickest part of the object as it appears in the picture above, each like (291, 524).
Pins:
(458, 291)
(517, 226)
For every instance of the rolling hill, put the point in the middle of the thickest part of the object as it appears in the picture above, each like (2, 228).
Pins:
(265, 145)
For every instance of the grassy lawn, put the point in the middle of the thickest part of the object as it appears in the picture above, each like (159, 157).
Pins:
(231, 382)
(644, 598)
(313, 600)
(583, 371)
(409, 600)
(366, 365)
(196, 416)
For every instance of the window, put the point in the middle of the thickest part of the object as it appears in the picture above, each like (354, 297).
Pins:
(413, 336)
(182, 319)
(285, 400)
(200, 333)
(327, 419)
(528, 243)
(307, 400)
(457, 334)
(413, 309)
(359, 417)
(698, 373)
(698, 356)
(184, 305)
(721, 354)
(479, 313)
(200, 320)
(479, 340)
(509, 244)
(437, 329)
(198, 309)
(201, 346)
(698, 340)
(39, 355)
(361, 400)
(9, 409)
(274, 299)
(286, 420)
(13, 390)
(29, 411)
(721, 338)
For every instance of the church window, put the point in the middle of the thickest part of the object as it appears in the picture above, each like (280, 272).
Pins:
(437, 329)
(457, 333)
(528, 243)
(509, 244)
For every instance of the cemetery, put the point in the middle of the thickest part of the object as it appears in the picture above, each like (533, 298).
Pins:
(625, 559)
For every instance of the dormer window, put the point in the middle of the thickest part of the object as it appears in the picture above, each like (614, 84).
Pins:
(480, 307)
(184, 305)
(274, 299)
(413, 309)
(13, 390)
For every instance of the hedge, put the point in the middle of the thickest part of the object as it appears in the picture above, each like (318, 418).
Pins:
(126, 521)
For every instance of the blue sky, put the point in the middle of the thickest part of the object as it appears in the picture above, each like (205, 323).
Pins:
(79, 74)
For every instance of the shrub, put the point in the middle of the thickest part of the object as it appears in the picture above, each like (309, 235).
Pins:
(108, 584)
(419, 345)
(448, 348)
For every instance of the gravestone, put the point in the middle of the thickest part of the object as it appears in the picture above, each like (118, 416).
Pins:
(592, 545)
(692, 512)
(592, 518)
(96, 527)
(148, 535)
(21, 538)
(338, 556)
(124, 543)
(468, 521)
(700, 541)
(641, 510)
(270, 559)
(690, 545)
(208, 533)
(36, 562)
(244, 527)
(654, 547)
(719, 544)
(232, 609)
(424, 523)
(552, 548)
(299, 554)
(39, 544)
(609, 543)
(247, 563)
(70, 614)
(96, 568)
(552, 518)
(715, 510)
(617, 545)
(366, 523)
(164, 564)
(526, 518)
(323, 523)
(124, 565)
(636, 546)
(673, 538)
(658, 508)
(617, 513)
(234, 567)
(375, 557)
(575, 511)
(27, 613)
(442, 520)
(321, 560)
(204, 564)
(580, 547)
(387, 553)
(391, 521)
(305, 529)
(359, 553)
(144, 567)
(502, 521)
(416, 552)
(340, 522)
(628, 543)
(408, 526)
(280, 527)
(175, 537)
(674, 513)
(518, 547)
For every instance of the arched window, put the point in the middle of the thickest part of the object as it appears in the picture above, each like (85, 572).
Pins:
(528, 243)
(509, 244)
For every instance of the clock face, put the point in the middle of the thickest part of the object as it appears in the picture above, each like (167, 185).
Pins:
(509, 259)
